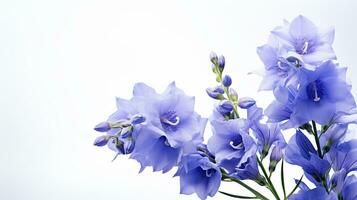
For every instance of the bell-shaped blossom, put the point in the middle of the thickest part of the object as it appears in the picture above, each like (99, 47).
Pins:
(349, 188)
(173, 128)
(344, 156)
(318, 193)
(279, 71)
(301, 152)
(322, 94)
(281, 109)
(198, 175)
(122, 128)
(248, 170)
(303, 40)
(231, 143)
(267, 135)
(333, 135)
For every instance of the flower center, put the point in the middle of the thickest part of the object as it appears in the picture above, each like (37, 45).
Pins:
(236, 145)
(209, 172)
(170, 121)
(315, 90)
(305, 47)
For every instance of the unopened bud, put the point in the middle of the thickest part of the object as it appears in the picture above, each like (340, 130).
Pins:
(246, 102)
(213, 58)
(233, 94)
(227, 81)
(275, 157)
(221, 62)
(137, 119)
(101, 141)
(225, 107)
(102, 127)
(216, 92)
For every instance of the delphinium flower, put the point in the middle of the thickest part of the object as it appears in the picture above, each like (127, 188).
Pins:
(305, 41)
(121, 128)
(198, 175)
(268, 135)
(237, 142)
(322, 94)
(231, 143)
(173, 129)
(312, 95)
(301, 152)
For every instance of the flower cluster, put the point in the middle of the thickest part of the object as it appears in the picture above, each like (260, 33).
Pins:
(312, 96)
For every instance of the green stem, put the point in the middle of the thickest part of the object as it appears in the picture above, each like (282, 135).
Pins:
(256, 193)
(270, 184)
(282, 178)
(235, 109)
(237, 196)
(296, 186)
(317, 140)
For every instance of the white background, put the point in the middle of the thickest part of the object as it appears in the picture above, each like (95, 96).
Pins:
(63, 62)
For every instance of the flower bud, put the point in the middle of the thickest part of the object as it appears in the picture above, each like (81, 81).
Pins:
(101, 141)
(213, 58)
(225, 107)
(275, 157)
(227, 81)
(216, 92)
(126, 132)
(233, 94)
(137, 119)
(102, 127)
(246, 102)
(129, 146)
(221, 62)
(115, 145)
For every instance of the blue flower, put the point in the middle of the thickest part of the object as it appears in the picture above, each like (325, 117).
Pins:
(344, 186)
(267, 135)
(173, 128)
(231, 143)
(122, 128)
(198, 175)
(322, 94)
(344, 156)
(334, 134)
(349, 188)
(303, 40)
(318, 193)
(281, 109)
(278, 70)
(248, 170)
(301, 152)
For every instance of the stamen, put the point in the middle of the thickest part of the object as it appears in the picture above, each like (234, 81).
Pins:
(316, 98)
(175, 123)
(166, 143)
(304, 48)
(239, 146)
(208, 173)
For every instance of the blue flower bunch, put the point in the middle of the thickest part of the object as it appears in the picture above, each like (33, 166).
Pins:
(312, 97)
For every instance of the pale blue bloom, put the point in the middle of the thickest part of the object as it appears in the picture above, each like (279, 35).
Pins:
(198, 175)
